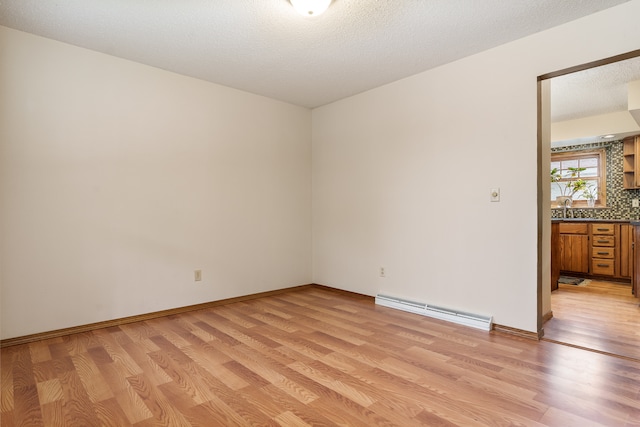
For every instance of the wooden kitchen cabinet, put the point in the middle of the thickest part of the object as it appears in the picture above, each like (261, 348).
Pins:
(603, 249)
(626, 251)
(594, 249)
(635, 281)
(555, 255)
(631, 162)
(573, 247)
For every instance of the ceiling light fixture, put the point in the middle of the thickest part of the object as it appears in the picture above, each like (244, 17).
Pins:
(310, 7)
(607, 136)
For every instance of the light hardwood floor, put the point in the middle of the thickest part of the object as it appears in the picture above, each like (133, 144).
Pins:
(603, 316)
(311, 357)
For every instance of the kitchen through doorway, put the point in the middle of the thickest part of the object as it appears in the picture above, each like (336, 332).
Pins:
(603, 316)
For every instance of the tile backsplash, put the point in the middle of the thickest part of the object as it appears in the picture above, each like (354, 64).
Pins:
(618, 199)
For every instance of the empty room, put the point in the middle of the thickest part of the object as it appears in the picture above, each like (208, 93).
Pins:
(309, 212)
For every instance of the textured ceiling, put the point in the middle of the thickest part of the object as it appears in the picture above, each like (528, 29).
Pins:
(594, 91)
(265, 47)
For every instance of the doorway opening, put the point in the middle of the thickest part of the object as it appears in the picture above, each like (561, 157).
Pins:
(595, 316)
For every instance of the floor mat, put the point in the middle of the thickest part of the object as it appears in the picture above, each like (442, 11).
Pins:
(577, 281)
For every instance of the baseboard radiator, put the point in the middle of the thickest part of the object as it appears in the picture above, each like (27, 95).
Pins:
(460, 317)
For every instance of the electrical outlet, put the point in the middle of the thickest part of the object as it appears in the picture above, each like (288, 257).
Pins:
(197, 275)
(635, 203)
(382, 274)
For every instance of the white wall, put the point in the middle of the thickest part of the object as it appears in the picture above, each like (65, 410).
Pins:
(402, 175)
(117, 180)
(620, 122)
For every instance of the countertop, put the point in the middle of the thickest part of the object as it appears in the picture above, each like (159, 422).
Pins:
(635, 222)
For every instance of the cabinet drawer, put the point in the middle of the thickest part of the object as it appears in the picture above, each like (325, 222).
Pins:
(603, 241)
(603, 252)
(573, 228)
(602, 266)
(602, 229)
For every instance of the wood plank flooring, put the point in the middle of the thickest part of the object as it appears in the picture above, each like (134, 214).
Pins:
(311, 357)
(603, 316)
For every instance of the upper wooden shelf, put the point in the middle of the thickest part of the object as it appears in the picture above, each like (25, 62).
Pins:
(631, 162)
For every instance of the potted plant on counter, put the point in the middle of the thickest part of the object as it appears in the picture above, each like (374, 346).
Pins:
(569, 184)
(590, 193)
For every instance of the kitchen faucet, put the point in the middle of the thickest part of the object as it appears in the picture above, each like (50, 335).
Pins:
(565, 210)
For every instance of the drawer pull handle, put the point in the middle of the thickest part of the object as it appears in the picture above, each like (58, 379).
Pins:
(603, 265)
(603, 253)
(603, 229)
(603, 241)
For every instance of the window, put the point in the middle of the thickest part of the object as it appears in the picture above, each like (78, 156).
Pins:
(591, 169)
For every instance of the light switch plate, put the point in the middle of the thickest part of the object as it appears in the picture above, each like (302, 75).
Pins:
(635, 203)
(495, 194)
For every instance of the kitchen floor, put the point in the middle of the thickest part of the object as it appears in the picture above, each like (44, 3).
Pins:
(601, 316)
